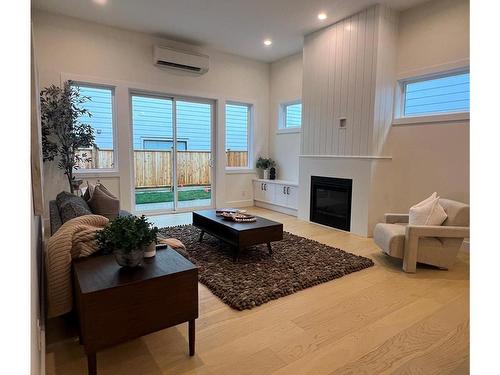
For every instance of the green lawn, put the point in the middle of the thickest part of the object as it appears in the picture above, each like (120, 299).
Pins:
(168, 196)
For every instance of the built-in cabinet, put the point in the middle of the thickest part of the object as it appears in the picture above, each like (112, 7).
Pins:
(278, 195)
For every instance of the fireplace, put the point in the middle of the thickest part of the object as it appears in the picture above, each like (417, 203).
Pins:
(331, 202)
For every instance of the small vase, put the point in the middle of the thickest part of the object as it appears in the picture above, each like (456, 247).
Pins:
(266, 174)
(272, 173)
(150, 250)
(129, 259)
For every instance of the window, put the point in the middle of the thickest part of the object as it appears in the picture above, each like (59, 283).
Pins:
(238, 123)
(444, 94)
(100, 107)
(291, 116)
(163, 144)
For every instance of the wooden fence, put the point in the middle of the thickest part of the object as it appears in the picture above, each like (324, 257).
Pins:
(153, 168)
(236, 158)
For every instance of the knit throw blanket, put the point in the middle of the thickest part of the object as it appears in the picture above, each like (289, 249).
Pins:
(74, 239)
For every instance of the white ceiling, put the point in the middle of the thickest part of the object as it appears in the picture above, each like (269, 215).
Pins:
(234, 26)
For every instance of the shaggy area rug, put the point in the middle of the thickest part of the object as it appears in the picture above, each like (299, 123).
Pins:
(256, 278)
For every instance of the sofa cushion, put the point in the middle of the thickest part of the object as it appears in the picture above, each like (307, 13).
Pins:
(390, 238)
(102, 202)
(71, 206)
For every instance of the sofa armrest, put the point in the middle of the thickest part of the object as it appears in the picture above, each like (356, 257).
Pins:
(436, 231)
(396, 218)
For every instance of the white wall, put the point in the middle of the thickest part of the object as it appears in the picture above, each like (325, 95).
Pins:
(435, 156)
(70, 47)
(433, 33)
(285, 86)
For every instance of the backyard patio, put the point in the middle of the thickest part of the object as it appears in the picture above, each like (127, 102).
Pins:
(163, 198)
(153, 170)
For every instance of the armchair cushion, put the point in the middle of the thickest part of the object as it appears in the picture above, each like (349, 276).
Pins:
(458, 213)
(390, 238)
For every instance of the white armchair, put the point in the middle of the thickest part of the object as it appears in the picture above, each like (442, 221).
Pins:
(435, 245)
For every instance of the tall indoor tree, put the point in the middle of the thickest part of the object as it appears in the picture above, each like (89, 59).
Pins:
(63, 133)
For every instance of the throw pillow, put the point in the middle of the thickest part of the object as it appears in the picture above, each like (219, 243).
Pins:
(88, 191)
(427, 212)
(102, 202)
(71, 206)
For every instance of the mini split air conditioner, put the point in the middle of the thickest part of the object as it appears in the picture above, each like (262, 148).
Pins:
(187, 61)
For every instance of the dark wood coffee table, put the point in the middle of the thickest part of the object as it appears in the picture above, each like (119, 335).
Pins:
(115, 304)
(238, 235)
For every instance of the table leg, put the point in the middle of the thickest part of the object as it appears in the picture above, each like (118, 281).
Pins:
(192, 329)
(92, 363)
(269, 248)
(236, 252)
(201, 236)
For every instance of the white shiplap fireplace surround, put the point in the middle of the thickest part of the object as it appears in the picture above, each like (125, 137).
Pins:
(348, 95)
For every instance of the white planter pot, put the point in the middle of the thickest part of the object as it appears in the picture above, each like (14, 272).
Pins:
(150, 251)
(266, 174)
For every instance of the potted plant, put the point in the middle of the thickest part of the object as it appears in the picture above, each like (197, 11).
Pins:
(265, 165)
(127, 237)
(63, 134)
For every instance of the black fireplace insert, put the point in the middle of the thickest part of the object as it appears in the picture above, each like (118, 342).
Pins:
(331, 202)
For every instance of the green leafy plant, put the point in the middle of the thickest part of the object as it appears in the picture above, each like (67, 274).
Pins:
(126, 234)
(263, 163)
(62, 132)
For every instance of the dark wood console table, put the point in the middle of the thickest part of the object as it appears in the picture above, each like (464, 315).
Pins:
(115, 304)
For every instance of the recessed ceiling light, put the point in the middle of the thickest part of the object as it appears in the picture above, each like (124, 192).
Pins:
(268, 42)
(100, 2)
(322, 16)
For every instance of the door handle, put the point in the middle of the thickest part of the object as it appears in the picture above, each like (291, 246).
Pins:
(261, 186)
(265, 187)
(288, 190)
(284, 189)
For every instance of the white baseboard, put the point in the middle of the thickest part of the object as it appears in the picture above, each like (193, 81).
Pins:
(240, 203)
(273, 207)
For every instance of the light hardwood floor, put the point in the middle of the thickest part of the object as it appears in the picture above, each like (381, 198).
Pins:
(376, 321)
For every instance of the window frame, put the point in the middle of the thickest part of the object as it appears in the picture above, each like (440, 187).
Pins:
(250, 127)
(399, 106)
(181, 140)
(282, 129)
(96, 172)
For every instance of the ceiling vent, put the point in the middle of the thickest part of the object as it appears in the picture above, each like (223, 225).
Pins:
(180, 60)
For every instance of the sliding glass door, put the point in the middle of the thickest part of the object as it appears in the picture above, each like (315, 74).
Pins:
(194, 153)
(172, 140)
